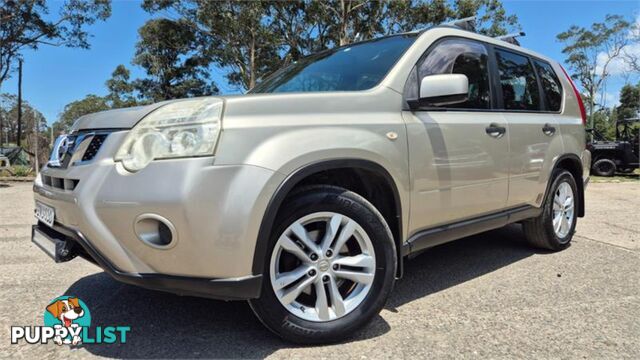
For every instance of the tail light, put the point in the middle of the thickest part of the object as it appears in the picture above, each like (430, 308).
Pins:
(583, 112)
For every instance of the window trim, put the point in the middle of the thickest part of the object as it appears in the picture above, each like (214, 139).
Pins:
(424, 55)
(547, 107)
(541, 104)
(496, 105)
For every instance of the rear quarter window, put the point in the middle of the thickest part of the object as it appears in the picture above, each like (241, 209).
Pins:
(550, 85)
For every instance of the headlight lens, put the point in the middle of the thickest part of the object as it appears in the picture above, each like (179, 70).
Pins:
(181, 129)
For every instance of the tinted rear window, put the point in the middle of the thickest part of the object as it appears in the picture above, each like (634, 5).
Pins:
(518, 82)
(550, 85)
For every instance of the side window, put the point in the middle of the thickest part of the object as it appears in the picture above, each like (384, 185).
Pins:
(518, 82)
(550, 85)
(459, 56)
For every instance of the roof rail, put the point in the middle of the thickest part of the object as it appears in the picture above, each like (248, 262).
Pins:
(511, 38)
(468, 23)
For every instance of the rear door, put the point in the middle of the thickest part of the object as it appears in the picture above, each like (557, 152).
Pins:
(534, 133)
(458, 153)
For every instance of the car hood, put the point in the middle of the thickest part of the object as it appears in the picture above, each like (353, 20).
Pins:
(253, 105)
(124, 118)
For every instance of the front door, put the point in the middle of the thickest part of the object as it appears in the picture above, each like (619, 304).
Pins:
(458, 153)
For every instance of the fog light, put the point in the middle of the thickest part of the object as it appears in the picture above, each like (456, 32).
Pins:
(155, 231)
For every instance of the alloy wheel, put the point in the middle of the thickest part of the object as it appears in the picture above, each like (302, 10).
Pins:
(322, 266)
(563, 208)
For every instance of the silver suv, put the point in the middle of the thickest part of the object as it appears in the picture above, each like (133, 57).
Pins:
(304, 195)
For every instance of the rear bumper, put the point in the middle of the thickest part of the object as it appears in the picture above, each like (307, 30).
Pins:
(68, 243)
(586, 166)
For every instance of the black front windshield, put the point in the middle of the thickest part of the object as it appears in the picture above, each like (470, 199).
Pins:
(348, 68)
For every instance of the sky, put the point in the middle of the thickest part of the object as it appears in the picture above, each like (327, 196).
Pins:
(56, 76)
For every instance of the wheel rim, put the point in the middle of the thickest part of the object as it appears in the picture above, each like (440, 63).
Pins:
(322, 266)
(606, 167)
(563, 208)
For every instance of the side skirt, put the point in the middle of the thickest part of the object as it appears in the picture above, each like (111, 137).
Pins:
(442, 234)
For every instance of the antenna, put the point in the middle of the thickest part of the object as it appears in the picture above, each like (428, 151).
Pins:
(468, 23)
(511, 38)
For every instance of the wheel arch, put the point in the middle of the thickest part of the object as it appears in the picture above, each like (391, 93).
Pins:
(573, 164)
(298, 177)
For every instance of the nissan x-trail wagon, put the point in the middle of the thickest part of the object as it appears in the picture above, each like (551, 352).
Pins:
(304, 195)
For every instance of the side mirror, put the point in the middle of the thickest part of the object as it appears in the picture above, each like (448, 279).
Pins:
(444, 89)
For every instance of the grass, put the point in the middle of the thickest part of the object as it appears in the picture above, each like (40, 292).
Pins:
(17, 171)
(633, 177)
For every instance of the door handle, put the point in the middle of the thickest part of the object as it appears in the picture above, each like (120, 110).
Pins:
(548, 130)
(496, 131)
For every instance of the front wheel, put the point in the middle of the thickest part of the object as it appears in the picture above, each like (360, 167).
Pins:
(330, 268)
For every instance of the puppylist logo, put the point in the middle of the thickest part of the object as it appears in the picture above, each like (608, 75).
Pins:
(67, 320)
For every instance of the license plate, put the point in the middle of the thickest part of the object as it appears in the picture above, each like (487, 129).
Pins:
(45, 213)
(44, 243)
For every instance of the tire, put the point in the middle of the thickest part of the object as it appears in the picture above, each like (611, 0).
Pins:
(604, 167)
(540, 231)
(301, 320)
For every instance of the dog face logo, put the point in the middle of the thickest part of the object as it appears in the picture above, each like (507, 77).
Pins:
(67, 312)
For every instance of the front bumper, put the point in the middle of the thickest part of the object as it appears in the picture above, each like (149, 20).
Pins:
(215, 210)
(71, 243)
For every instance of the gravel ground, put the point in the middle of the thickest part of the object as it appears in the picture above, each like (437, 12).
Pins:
(486, 296)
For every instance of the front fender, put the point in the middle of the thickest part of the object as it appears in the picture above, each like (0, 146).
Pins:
(299, 151)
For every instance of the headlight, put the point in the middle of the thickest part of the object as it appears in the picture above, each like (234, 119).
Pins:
(182, 129)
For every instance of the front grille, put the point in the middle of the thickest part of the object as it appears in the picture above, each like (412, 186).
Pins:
(93, 147)
(60, 183)
(82, 146)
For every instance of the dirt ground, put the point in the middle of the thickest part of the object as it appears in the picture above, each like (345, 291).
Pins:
(488, 296)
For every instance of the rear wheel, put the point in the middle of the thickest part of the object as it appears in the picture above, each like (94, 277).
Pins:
(330, 267)
(604, 167)
(626, 170)
(553, 229)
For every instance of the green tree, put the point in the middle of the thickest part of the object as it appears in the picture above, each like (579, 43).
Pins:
(72, 111)
(492, 18)
(25, 24)
(590, 52)
(629, 101)
(235, 35)
(7, 102)
(174, 60)
(313, 25)
(251, 39)
(9, 120)
(121, 89)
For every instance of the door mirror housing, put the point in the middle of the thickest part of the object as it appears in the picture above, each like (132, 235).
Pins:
(443, 89)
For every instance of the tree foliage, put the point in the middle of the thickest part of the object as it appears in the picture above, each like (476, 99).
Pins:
(72, 111)
(629, 101)
(587, 47)
(9, 118)
(24, 24)
(247, 40)
(174, 60)
(121, 89)
(250, 39)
